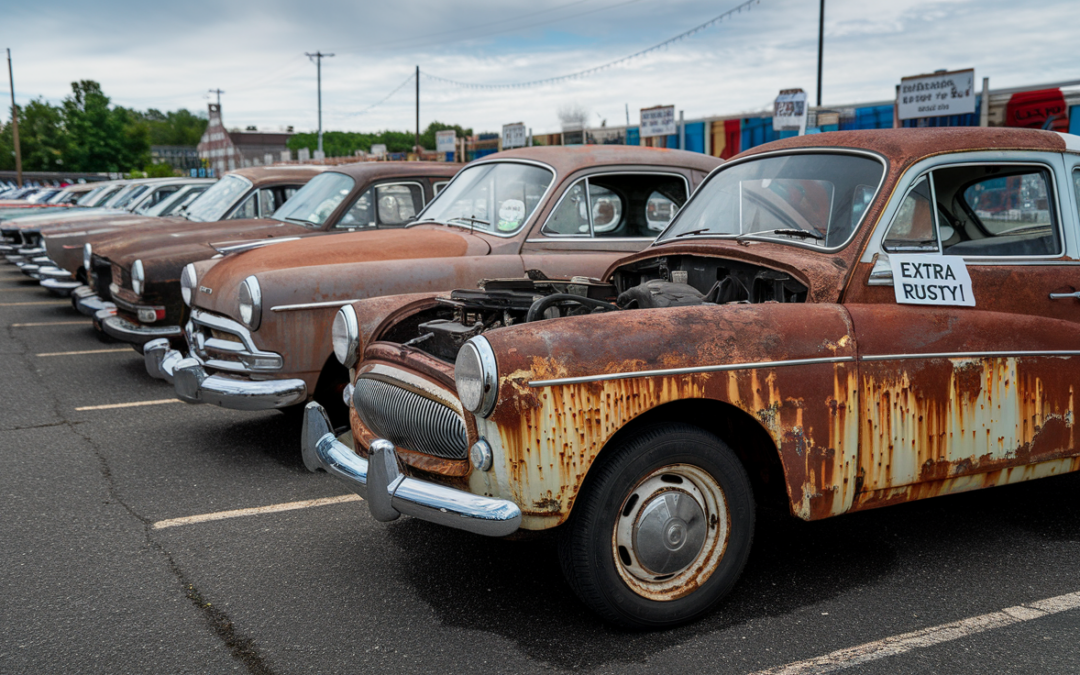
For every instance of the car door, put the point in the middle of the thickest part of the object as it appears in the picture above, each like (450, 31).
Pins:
(961, 392)
(385, 205)
(602, 216)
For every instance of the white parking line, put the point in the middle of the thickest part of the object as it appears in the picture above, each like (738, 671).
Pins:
(258, 510)
(133, 404)
(129, 350)
(36, 302)
(51, 323)
(927, 637)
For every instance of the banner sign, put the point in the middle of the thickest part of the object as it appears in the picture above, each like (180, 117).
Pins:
(920, 279)
(658, 121)
(1032, 109)
(937, 95)
(789, 110)
(445, 140)
(513, 136)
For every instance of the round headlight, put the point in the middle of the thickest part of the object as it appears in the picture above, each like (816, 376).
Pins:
(86, 258)
(250, 302)
(475, 374)
(345, 335)
(187, 283)
(137, 277)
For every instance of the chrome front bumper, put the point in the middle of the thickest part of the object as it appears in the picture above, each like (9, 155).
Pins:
(389, 493)
(194, 385)
(59, 286)
(120, 328)
(87, 302)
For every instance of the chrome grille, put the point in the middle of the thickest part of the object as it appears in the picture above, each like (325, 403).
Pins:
(410, 420)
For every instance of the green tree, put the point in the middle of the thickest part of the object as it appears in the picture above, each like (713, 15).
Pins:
(180, 127)
(346, 143)
(100, 138)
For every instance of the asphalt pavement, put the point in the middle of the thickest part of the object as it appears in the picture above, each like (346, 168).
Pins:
(93, 583)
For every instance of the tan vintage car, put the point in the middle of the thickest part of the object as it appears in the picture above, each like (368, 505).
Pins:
(834, 322)
(259, 336)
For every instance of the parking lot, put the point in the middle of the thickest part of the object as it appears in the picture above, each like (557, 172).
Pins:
(141, 534)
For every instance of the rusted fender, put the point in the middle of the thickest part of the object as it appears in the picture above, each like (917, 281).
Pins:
(375, 315)
(789, 367)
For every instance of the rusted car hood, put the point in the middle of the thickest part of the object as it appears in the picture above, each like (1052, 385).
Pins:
(190, 241)
(44, 220)
(341, 250)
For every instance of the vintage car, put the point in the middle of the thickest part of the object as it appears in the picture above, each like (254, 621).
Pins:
(143, 275)
(831, 322)
(259, 335)
(232, 202)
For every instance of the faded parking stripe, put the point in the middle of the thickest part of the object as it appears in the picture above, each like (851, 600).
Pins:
(133, 404)
(258, 510)
(90, 351)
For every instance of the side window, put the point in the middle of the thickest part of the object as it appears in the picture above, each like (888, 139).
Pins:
(438, 187)
(360, 214)
(266, 202)
(637, 205)
(398, 204)
(913, 228)
(247, 208)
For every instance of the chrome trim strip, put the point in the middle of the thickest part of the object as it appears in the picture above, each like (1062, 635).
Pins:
(582, 238)
(313, 305)
(691, 371)
(968, 355)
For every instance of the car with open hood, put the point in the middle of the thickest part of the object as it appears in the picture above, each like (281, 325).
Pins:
(834, 322)
(259, 331)
(141, 277)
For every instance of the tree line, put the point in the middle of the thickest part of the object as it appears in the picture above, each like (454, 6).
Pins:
(86, 133)
(346, 143)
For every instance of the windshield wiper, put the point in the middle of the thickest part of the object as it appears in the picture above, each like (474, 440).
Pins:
(692, 232)
(301, 220)
(805, 234)
(468, 219)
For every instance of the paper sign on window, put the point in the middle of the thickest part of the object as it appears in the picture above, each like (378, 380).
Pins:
(931, 280)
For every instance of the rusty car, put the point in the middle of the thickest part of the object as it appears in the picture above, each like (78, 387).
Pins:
(259, 334)
(833, 323)
(141, 278)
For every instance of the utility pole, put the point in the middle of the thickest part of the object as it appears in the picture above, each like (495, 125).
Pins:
(219, 93)
(318, 57)
(820, 49)
(418, 112)
(15, 123)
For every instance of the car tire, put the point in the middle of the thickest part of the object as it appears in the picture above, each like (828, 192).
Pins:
(662, 530)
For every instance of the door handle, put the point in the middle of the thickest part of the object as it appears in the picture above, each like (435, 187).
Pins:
(1059, 296)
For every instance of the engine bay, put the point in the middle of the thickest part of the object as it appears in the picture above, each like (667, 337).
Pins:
(666, 281)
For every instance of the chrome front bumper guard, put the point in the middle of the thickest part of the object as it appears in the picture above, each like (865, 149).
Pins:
(120, 328)
(194, 385)
(87, 302)
(59, 286)
(389, 493)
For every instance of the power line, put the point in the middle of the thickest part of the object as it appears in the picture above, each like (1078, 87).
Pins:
(386, 98)
(591, 71)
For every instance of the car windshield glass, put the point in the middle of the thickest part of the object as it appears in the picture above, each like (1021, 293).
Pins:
(815, 199)
(105, 196)
(212, 205)
(119, 196)
(132, 196)
(91, 196)
(314, 202)
(498, 197)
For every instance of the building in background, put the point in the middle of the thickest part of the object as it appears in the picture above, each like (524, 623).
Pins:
(180, 157)
(223, 150)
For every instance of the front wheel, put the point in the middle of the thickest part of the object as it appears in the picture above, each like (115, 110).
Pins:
(663, 529)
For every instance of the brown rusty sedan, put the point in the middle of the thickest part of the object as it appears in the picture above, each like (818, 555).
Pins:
(259, 336)
(836, 322)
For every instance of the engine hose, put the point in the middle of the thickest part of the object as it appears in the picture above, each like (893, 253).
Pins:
(537, 309)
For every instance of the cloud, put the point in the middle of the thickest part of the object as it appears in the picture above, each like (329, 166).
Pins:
(164, 56)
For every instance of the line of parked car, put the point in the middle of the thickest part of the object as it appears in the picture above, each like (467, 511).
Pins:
(632, 348)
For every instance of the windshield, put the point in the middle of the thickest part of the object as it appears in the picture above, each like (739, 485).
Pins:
(174, 201)
(314, 202)
(107, 194)
(212, 205)
(497, 197)
(90, 197)
(132, 196)
(811, 198)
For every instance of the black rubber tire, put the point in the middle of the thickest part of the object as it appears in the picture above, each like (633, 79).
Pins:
(585, 543)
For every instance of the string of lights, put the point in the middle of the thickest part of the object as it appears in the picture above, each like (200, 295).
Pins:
(611, 64)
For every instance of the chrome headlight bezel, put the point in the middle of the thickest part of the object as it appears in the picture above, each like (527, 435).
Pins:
(476, 376)
(87, 253)
(345, 336)
(138, 276)
(188, 282)
(250, 302)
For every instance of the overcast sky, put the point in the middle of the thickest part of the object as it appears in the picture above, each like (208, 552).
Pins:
(167, 55)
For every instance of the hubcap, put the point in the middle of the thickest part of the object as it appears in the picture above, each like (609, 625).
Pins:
(671, 532)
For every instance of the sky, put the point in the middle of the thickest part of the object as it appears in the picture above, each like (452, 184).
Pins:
(169, 55)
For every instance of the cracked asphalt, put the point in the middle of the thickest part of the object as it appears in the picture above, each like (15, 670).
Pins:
(90, 586)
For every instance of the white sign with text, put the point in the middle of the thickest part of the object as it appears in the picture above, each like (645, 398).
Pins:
(789, 111)
(936, 95)
(445, 141)
(659, 121)
(513, 136)
(920, 279)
